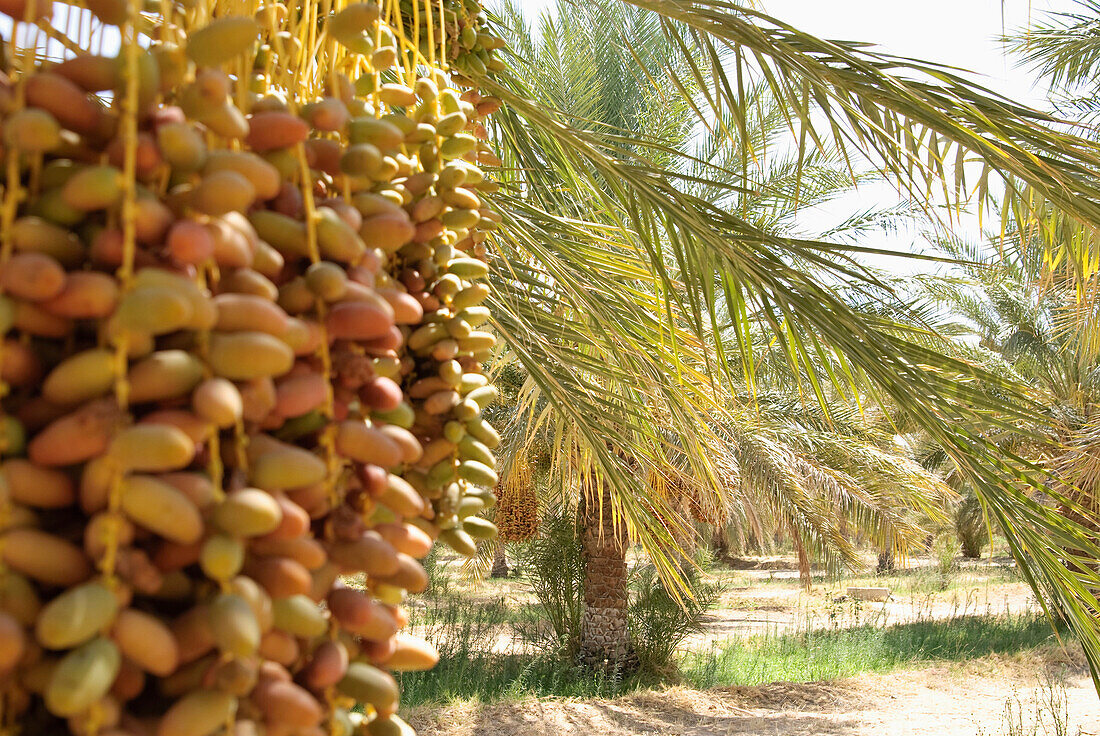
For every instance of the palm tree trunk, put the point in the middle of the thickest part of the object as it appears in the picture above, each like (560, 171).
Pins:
(500, 563)
(720, 545)
(885, 561)
(605, 636)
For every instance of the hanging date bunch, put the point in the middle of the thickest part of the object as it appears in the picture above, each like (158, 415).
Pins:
(517, 511)
(242, 275)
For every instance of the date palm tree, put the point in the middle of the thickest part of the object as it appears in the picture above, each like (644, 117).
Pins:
(1030, 317)
(623, 321)
(582, 283)
(614, 92)
(822, 479)
(1063, 48)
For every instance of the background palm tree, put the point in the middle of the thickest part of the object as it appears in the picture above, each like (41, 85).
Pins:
(1036, 308)
(1063, 48)
(826, 479)
(1030, 317)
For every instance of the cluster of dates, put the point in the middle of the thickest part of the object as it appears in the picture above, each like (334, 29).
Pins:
(467, 44)
(517, 511)
(242, 365)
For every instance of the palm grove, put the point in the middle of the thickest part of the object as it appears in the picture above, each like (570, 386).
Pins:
(681, 356)
(676, 350)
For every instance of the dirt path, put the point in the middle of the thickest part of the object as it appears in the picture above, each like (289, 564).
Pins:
(941, 700)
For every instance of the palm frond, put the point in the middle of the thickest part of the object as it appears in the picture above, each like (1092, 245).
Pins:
(1063, 47)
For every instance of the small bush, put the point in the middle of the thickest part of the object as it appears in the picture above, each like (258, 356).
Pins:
(659, 622)
(439, 582)
(554, 562)
(970, 527)
(944, 549)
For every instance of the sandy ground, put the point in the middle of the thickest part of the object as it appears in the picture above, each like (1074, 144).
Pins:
(749, 609)
(943, 700)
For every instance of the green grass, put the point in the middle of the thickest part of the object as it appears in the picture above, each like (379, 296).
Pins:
(493, 677)
(467, 672)
(463, 632)
(832, 654)
(464, 629)
(930, 580)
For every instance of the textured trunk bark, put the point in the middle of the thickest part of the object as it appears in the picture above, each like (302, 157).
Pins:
(605, 636)
(970, 551)
(500, 563)
(885, 561)
(720, 545)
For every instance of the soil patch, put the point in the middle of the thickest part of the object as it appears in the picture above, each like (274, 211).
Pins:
(942, 700)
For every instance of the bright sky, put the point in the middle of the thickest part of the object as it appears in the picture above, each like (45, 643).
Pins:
(957, 32)
(961, 33)
(921, 30)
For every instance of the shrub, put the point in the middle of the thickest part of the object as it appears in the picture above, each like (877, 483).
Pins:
(555, 563)
(970, 527)
(944, 549)
(659, 622)
(439, 582)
